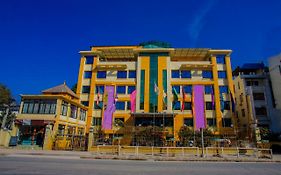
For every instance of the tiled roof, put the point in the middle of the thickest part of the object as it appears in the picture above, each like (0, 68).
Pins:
(63, 88)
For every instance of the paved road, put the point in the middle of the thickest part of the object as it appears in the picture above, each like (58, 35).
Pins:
(40, 165)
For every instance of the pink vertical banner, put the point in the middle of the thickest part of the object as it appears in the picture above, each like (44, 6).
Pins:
(109, 108)
(199, 107)
(133, 101)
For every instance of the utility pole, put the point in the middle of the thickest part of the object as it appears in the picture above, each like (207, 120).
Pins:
(202, 142)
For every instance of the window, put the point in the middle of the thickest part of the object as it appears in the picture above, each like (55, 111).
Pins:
(96, 121)
(187, 89)
(258, 96)
(207, 74)
(220, 59)
(210, 106)
(222, 74)
(85, 103)
(82, 114)
(260, 111)
(252, 83)
(86, 89)
(39, 106)
(223, 89)
(128, 105)
(209, 90)
(73, 113)
(121, 74)
(177, 88)
(227, 105)
(101, 74)
(226, 122)
(185, 74)
(188, 122)
(212, 122)
(89, 59)
(132, 74)
(88, 74)
(121, 89)
(187, 106)
(175, 74)
(98, 106)
(176, 105)
(120, 105)
(131, 89)
(61, 129)
(99, 89)
(64, 108)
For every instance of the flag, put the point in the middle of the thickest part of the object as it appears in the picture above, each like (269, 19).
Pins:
(109, 107)
(175, 95)
(183, 98)
(156, 90)
(198, 107)
(232, 101)
(133, 101)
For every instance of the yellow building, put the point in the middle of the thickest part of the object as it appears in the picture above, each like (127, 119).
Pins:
(52, 118)
(155, 71)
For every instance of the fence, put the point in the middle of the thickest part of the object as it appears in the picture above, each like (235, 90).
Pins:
(182, 151)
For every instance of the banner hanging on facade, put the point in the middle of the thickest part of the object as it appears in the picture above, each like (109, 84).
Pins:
(199, 107)
(109, 107)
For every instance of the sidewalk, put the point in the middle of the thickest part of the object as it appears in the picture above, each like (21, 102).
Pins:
(14, 152)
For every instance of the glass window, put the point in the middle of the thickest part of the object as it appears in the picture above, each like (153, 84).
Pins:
(121, 74)
(99, 89)
(211, 122)
(187, 106)
(89, 59)
(131, 89)
(226, 122)
(207, 74)
(223, 89)
(188, 121)
(88, 74)
(98, 106)
(220, 59)
(132, 74)
(96, 121)
(86, 89)
(101, 74)
(187, 89)
(222, 74)
(73, 113)
(258, 96)
(177, 88)
(227, 105)
(82, 114)
(120, 105)
(176, 105)
(128, 105)
(85, 103)
(260, 111)
(209, 106)
(185, 74)
(142, 85)
(64, 107)
(209, 89)
(175, 74)
(121, 89)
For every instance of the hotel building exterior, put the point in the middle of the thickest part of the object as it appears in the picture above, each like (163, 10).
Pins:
(155, 72)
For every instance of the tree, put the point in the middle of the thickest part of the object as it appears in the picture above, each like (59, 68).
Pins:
(186, 134)
(6, 102)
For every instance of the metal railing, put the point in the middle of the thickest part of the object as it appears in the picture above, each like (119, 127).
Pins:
(181, 151)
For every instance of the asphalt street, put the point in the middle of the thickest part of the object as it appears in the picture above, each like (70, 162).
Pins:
(44, 165)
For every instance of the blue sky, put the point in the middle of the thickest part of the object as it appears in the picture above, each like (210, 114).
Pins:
(40, 40)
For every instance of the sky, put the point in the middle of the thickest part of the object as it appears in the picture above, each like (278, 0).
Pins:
(40, 40)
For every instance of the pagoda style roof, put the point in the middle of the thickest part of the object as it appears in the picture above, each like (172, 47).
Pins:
(60, 89)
